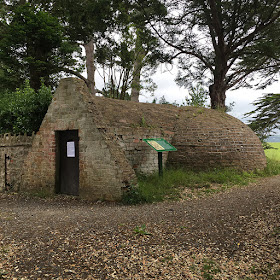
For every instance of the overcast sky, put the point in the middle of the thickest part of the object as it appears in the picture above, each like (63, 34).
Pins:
(166, 86)
(242, 97)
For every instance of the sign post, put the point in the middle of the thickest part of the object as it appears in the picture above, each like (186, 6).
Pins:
(160, 169)
(160, 145)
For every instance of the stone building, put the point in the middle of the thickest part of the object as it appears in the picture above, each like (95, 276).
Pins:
(92, 146)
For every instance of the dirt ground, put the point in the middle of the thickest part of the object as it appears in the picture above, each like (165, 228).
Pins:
(230, 235)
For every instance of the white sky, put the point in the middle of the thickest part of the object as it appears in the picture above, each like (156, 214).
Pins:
(172, 92)
(164, 79)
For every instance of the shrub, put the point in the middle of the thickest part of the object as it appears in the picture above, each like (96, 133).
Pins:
(22, 111)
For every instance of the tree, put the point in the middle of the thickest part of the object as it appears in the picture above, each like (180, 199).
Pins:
(139, 55)
(115, 18)
(23, 110)
(115, 67)
(223, 43)
(88, 24)
(115, 22)
(33, 46)
(129, 55)
(147, 52)
(266, 116)
(126, 65)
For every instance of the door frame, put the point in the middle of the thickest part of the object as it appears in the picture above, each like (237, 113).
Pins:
(58, 160)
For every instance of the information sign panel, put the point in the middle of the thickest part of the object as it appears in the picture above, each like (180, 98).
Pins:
(160, 145)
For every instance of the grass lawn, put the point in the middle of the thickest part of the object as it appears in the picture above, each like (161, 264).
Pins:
(273, 153)
(175, 182)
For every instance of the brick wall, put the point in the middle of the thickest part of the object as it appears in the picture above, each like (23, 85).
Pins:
(209, 138)
(131, 122)
(141, 156)
(104, 170)
(16, 148)
(203, 137)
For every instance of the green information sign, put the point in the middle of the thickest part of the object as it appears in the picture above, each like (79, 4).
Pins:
(160, 145)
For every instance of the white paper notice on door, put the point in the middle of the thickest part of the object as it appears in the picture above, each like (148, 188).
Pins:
(71, 149)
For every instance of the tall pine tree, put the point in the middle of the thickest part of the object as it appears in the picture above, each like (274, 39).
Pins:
(224, 43)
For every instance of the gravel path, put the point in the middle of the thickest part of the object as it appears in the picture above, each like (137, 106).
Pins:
(230, 235)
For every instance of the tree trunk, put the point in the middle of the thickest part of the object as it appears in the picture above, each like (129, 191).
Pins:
(217, 93)
(35, 79)
(218, 89)
(137, 67)
(89, 49)
(135, 85)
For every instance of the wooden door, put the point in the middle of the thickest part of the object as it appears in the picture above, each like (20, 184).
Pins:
(67, 162)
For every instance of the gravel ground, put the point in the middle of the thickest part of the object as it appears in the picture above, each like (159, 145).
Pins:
(230, 235)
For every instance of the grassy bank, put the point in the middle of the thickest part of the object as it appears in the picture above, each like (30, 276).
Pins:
(273, 154)
(181, 183)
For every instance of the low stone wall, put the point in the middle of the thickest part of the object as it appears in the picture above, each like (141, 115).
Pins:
(16, 148)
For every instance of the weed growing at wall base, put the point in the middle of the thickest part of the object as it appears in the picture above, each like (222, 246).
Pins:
(152, 188)
(41, 193)
(273, 168)
(133, 196)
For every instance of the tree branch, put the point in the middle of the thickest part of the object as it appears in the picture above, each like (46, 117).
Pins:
(181, 50)
(73, 72)
(184, 51)
(257, 30)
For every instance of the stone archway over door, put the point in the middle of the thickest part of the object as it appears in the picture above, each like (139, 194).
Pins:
(67, 171)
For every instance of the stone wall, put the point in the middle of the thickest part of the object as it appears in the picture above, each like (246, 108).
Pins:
(203, 137)
(141, 156)
(15, 147)
(104, 170)
(209, 138)
(131, 122)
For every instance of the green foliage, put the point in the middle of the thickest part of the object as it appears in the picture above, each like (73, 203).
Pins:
(141, 230)
(23, 110)
(266, 116)
(133, 196)
(143, 123)
(86, 19)
(32, 46)
(273, 153)
(198, 97)
(273, 168)
(223, 44)
(129, 62)
(129, 59)
(162, 100)
(152, 188)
